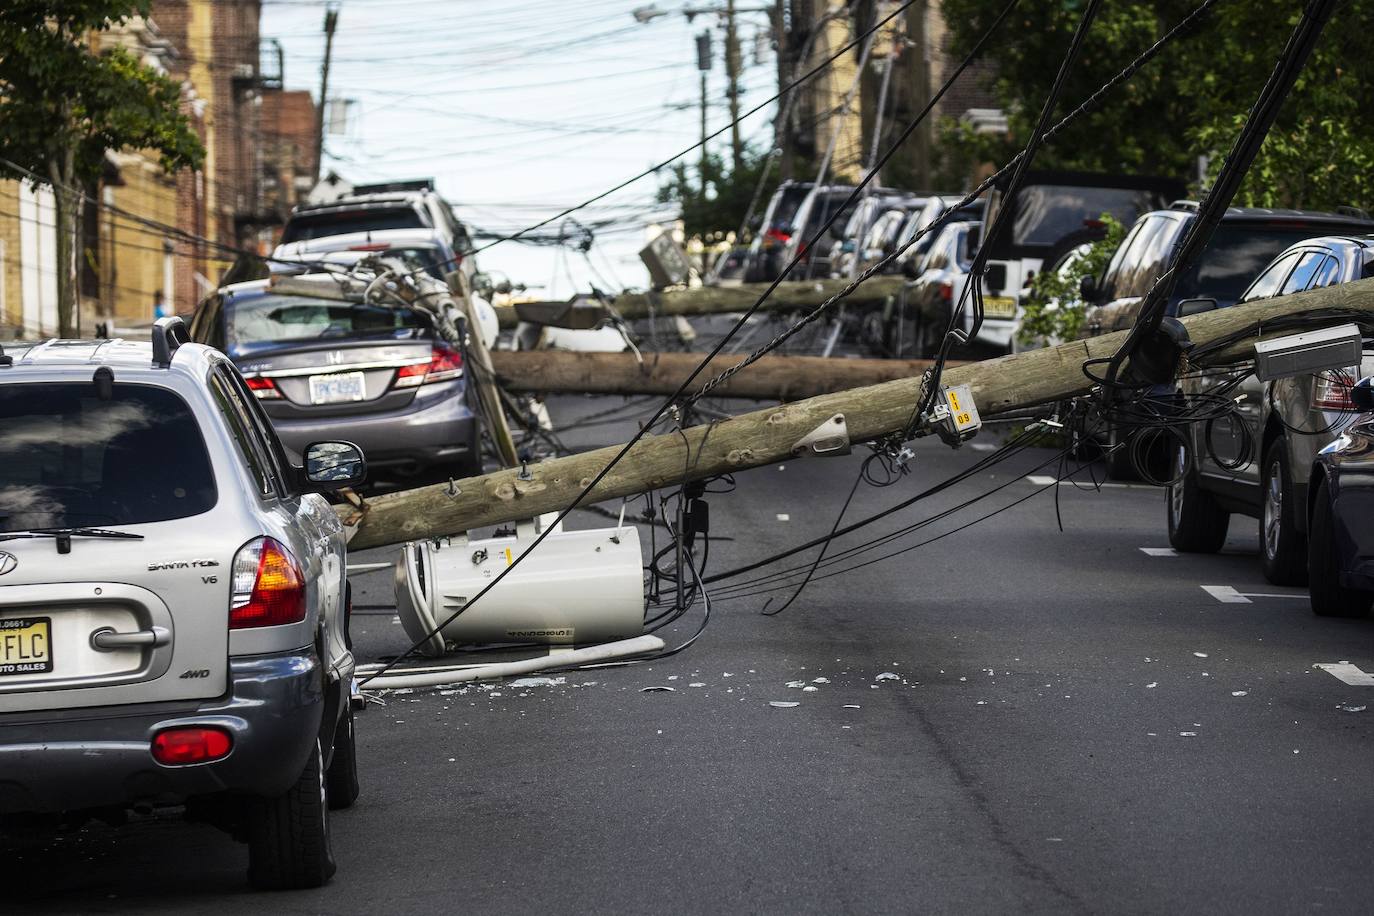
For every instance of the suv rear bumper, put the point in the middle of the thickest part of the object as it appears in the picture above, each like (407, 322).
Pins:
(73, 761)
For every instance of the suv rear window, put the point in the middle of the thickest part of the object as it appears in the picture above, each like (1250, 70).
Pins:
(291, 319)
(1235, 255)
(68, 458)
(1047, 213)
(786, 202)
(318, 225)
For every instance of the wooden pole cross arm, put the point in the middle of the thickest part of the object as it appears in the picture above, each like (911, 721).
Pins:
(783, 378)
(713, 300)
(768, 436)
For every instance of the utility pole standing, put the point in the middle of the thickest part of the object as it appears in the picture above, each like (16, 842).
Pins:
(732, 68)
(783, 129)
(704, 66)
(331, 20)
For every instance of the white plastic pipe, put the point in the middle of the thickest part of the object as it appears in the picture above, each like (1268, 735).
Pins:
(619, 649)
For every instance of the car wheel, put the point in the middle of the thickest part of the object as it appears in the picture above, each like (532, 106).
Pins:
(1282, 550)
(342, 779)
(1117, 455)
(288, 836)
(1196, 523)
(1329, 598)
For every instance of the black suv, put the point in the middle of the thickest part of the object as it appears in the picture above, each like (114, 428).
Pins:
(1246, 240)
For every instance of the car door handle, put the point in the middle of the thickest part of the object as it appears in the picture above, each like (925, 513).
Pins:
(106, 639)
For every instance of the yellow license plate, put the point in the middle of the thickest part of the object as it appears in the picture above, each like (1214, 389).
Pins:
(999, 307)
(25, 645)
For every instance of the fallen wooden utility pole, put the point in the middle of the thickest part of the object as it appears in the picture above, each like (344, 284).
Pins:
(767, 436)
(714, 300)
(784, 378)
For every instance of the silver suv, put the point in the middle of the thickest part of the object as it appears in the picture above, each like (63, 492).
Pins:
(173, 602)
(1258, 459)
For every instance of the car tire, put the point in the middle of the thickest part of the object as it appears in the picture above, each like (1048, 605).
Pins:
(1117, 455)
(341, 781)
(288, 836)
(1196, 523)
(1329, 597)
(1283, 551)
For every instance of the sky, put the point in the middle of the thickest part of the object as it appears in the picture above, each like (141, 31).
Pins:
(521, 108)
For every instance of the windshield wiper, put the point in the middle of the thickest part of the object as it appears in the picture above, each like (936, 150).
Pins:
(64, 536)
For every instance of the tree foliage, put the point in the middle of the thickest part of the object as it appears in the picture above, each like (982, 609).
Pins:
(1190, 100)
(63, 103)
(712, 210)
(1054, 308)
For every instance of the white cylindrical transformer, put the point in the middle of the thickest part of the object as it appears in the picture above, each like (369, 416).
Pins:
(579, 587)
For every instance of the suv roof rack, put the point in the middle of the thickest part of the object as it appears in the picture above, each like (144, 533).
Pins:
(168, 334)
(1357, 212)
(1189, 205)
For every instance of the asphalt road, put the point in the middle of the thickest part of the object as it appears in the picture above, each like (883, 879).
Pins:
(1073, 726)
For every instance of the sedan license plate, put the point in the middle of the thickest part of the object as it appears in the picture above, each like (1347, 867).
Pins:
(999, 307)
(25, 645)
(337, 389)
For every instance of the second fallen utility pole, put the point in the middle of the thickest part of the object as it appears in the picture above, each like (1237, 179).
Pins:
(767, 436)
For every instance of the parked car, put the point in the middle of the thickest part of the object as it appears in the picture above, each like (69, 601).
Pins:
(764, 261)
(820, 205)
(919, 221)
(388, 378)
(427, 247)
(1048, 208)
(871, 208)
(1340, 543)
(392, 205)
(929, 301)
(173, 602)
(1244, 242)
(1257, 460)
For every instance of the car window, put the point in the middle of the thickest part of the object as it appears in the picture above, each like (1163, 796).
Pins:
(305, 226)
(1302, 275)
(1133, 279)
(1111, 278)
(1267, 284)
(258, 319)
(236, 417)
(1327, 274)
(280, 465)
(69, 458)
(939, 256)
(1236, 254)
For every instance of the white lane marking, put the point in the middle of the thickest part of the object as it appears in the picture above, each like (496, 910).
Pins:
(1159, 551)
(1044, 480)
(1348, 673)
(1226, 594)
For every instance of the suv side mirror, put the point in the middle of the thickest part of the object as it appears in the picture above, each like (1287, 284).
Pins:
(1087, 288)
(333, 466)
(1195, 307)
(1362, 395)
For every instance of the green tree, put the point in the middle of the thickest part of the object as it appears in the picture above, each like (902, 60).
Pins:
(1189, 101)
(1054, 308)
(63, 104)
(716, 207)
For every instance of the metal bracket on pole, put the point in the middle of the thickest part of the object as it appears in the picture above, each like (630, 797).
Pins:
(830, 438)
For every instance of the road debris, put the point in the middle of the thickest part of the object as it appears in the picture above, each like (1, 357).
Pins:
(779, 704)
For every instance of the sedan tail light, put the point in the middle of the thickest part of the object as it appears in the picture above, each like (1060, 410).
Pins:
(268, 589)
(263, 388)
(197, 744)
(444, 363)
(1333, 392)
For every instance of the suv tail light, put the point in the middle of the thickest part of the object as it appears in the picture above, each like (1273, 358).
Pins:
(778, 235)
(263, 388)
(197, 744)
(947, 292)
(268, 589)
(444, 363)
(1333, 392)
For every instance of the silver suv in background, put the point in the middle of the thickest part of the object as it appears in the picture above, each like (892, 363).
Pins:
(173, 602)
(1257, 460)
